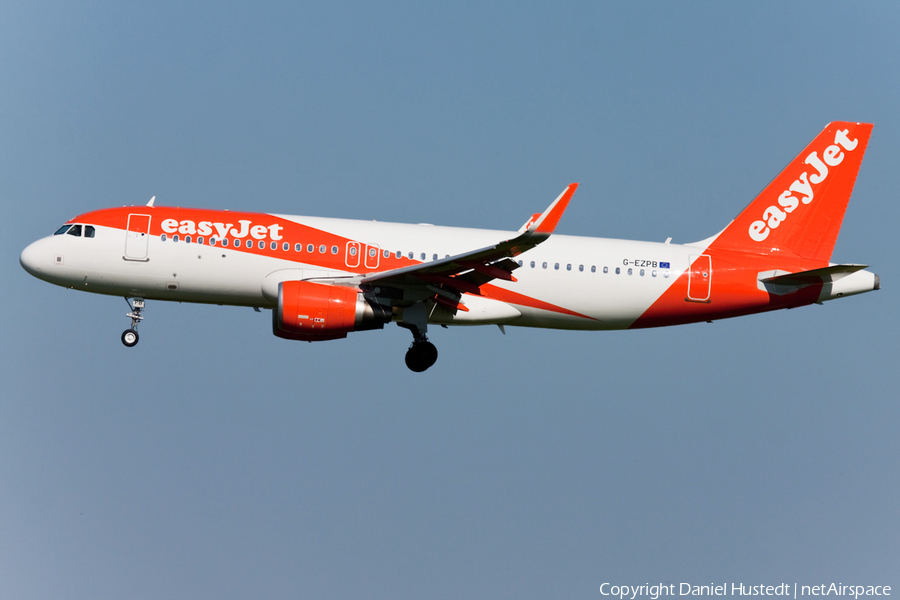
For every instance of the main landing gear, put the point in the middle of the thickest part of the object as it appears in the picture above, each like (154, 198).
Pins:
(421, 355)
(130, 337)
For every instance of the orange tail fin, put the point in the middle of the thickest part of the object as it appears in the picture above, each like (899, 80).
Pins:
(801, 211)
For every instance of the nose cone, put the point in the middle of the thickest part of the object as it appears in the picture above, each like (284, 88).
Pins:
(30, 259)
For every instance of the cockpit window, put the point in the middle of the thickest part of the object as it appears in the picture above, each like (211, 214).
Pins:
(62, 229)
(88, 231)
(76, 231)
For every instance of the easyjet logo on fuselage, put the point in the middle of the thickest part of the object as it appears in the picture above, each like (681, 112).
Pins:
(244, 229)
(774, 216)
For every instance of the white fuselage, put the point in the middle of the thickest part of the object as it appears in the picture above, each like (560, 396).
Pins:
(611, 281)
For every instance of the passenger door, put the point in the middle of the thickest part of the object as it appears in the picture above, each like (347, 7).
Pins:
(137, 238)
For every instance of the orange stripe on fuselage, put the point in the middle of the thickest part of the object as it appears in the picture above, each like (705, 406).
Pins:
(290, 232)
(504, 295)
(734, 291)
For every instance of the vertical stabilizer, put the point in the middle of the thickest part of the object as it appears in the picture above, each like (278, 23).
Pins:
(801, 211)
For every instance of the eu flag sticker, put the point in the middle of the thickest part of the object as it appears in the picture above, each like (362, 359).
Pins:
(664, 265)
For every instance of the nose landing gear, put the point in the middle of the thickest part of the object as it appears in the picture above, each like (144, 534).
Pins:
(130, 337)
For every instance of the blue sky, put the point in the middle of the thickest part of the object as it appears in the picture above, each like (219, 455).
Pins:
(216, 461)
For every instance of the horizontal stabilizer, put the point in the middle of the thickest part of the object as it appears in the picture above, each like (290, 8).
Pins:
(835, 281)
(823, 275)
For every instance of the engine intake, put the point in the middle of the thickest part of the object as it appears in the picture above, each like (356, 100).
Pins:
(317, 311)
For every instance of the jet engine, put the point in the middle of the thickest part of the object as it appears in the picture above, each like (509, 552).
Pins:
(317, 311)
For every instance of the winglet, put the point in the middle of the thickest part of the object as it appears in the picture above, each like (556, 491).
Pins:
(152, 200)
(547, 221)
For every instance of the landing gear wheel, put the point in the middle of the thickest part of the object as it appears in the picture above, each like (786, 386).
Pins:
(420, 356)
(130, 337)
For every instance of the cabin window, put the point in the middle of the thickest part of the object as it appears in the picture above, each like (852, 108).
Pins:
(162, 238)
(352, 250)
(261, 245)
(653, 273)
(310, 248)
(434, 257)
(618, 270)
(88, 231)
(399, 254)
(76, 231)
(322, 249)
(285, 246)
(520, 263)
(556, 266)
(580, 268)
(175, 238)
(224, 241)
(334, 250)
(298, 247)
(212, 241)
(273, 246)
(629, 270)
(200, 240)
(422, 256)
(532, 264)
(187, 239)
(411, 255)
(62, 230)
(249, 243)
(642, 272)
(605, 269)
(544, 265)
(568, 267)
(387, 253)
(594, 269)
(666, 274)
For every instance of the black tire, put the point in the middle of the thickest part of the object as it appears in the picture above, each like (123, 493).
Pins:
(130, 338)
(421, 356)
(429, 353)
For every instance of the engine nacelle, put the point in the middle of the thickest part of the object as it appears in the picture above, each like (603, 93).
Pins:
(317, 311)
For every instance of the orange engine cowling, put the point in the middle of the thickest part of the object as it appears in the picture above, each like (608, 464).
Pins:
(318, 311)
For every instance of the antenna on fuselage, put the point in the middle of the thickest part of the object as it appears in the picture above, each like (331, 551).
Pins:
(150, 204)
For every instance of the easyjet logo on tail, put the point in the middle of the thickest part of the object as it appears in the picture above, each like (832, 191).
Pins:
(774, 216)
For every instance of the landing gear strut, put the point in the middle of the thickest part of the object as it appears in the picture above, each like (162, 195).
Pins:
(130, 337)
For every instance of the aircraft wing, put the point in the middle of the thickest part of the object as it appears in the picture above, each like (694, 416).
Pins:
(448, 278)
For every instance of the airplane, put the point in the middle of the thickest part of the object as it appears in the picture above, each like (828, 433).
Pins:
(323, 278)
